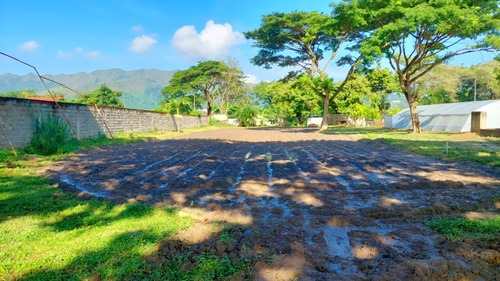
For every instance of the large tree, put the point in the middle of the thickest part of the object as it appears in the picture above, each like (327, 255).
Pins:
(202, 78)
(309, 41)
(417, 35)
(230, 87)
(292, 100)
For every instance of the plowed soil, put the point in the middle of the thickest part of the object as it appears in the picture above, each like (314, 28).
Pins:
(329, 207)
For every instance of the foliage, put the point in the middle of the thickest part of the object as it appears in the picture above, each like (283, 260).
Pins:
(366, 94)
(416, 36)
(18, 94)
(351, 99)
(246, 115)
(288, 99)
(103, 96)
(382, 83)
(462, 147)
(230, 87)
(394, 111)
(209, 78)
(49, 135)
(484, 76)
(447, 83)
(181, 105)
(24, 94)
(301, 39)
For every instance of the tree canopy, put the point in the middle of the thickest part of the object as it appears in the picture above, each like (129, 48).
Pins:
(103, 96)
(417, 35)
(19, 94)
(292, 100)
(218, 82)
(448, 83)
(305, 40)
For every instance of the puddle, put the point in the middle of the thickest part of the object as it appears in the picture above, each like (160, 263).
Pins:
(337, 241)
(146, 168)
(66, 179)
(242, 170)
(369, 175)
(269, 168)
(184, 172)
(338, 178)
(163, 172)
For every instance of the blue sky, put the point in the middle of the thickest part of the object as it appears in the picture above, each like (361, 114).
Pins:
(72, 36)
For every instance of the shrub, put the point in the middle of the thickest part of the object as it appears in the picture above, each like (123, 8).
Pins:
(246, 115)
(394, 111)
(212, 121)
(49, 135)
(196, 113)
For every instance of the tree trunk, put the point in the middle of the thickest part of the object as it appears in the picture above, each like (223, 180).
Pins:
(415, 122)
(326, 107)
(209, 109)
(209, 105)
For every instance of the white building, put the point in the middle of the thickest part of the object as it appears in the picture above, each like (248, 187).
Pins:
(451, 117)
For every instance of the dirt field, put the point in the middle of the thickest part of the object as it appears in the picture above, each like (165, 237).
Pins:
(329, 207)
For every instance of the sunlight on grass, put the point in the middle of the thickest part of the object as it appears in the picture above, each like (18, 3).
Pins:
(63, 236)
(48, 234)
(460, 228)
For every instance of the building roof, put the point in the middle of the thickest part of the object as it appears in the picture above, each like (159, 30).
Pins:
(457, 108)
(45, 98)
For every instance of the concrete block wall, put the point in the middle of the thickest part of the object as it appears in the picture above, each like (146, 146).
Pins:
(16, 118)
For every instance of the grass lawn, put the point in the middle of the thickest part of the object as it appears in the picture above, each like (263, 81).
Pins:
(48, 234)
(466, 147)
(461, 228)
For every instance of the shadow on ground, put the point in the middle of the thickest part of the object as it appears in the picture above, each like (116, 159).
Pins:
(305, 209)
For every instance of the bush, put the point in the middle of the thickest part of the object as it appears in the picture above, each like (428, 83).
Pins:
(246, 115)
(394, 111)
(49, 135)
(197, 113)
(214, 122)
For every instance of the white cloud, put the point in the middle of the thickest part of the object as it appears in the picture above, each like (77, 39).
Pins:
(92, 55)
(251, 79)
(64, 55)
(30, 46)
(138, 29)
(212, 42)
(142, 44)
(78, 52)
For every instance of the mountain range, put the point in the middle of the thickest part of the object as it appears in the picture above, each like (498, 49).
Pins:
(141, 88)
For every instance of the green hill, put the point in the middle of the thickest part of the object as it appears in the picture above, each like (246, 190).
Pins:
(141, 88)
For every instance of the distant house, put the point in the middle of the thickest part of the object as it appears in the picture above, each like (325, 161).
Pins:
(450, 117)
(46, 98)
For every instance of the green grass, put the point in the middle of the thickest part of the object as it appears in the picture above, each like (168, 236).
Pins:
(207, 267)
(466, 147)
(460, 228)
(48, 234)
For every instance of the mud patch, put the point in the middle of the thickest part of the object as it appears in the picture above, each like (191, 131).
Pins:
(324, 207)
